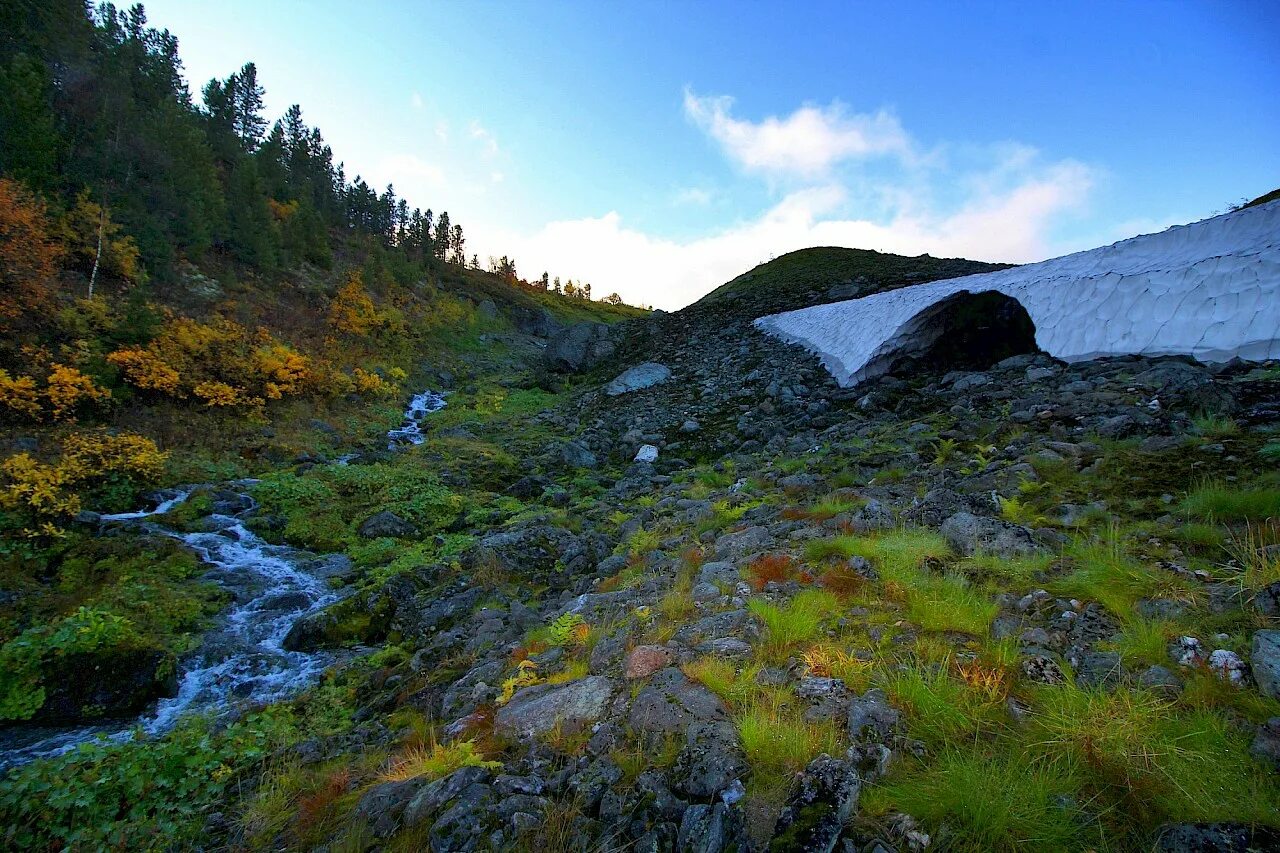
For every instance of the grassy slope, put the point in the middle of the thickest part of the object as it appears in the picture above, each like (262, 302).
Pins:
(807, 277)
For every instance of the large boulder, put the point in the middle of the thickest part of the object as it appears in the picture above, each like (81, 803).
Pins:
(969, 534)
(711, 760)
(637, 378)
(111, 682)
(539, 709)
(670, 703)
(580, 347)
(817, 812)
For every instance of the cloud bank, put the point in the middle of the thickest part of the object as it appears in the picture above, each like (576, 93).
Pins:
(830, 168)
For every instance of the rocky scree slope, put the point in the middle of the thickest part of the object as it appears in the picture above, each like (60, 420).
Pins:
(816, 607)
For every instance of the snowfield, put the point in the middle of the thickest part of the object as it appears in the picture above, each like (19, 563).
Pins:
(1210, 289)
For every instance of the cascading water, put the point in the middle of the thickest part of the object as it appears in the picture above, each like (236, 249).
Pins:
(242, 658)
(419, 407)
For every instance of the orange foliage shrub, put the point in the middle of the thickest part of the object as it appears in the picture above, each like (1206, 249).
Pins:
(29, 254)
(352, 312)
(769, 567)
(146, 370)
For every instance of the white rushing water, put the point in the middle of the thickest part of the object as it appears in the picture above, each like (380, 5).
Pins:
(242, 657)
(419, 407)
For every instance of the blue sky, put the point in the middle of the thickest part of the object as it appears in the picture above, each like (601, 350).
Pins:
(659, 149)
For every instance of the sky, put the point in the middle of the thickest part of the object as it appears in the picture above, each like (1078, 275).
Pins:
(659, 149)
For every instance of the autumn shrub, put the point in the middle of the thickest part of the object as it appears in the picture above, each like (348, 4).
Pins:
(66, 393)
(768, 568)
(98, 466)
(29, 256)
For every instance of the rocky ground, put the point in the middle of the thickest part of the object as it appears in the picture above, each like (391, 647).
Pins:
(812, 599)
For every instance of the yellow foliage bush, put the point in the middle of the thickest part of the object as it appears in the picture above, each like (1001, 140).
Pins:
(146, 370)
(18, 395)
(47, 492)
(367, 382)
(68, 388)
(222, 364)
(352, 311)
(220, 394)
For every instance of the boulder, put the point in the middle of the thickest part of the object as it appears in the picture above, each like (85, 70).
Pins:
(711, 760)
(670, 703)
(539, 709)
(1216, 838)
(871, 717)
(386, 523)
(637, 378)
(968, 534)
(580, 347)
(1266, 743)
(115, 681)
(644, 661)
(710, 829)
(817, 812)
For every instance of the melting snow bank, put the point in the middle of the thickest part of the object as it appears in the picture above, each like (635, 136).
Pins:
(420, 406)
(1210, 289)
(242, 658)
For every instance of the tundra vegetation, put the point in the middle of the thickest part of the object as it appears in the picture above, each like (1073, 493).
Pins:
(1029, 612)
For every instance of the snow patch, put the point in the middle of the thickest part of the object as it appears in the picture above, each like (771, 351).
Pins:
(1208, 290)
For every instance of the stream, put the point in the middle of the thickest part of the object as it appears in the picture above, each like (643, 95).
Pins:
(241, 658)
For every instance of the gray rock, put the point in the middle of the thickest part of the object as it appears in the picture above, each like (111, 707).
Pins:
(462, 826)
(438, 794)
(538, 709)
(577, 455)
(712, 758)
(726, 647)
(670, 703)
(1266, 743)
(1265, 656)
(742, 544)
(817, 812)
(382, 805)
(591, 783)
(969, 534)
(1161, 680)
(719, 572)
(1217, 838)
(871, 717)
(637, 378)
(710, 829)
(580, 347)
(386, 523)
(646, 453)
(1099, 669)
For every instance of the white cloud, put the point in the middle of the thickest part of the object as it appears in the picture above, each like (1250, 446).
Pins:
(442, 131)
(846, 179)
(415, 101)
(486, 139)
(806, 144)
(1007, 226)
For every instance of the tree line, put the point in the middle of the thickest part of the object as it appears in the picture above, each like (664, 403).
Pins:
(94, 111)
